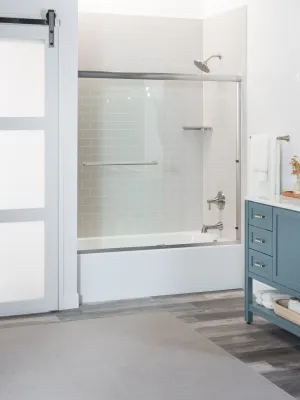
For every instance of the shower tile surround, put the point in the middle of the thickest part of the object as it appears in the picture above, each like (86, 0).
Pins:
(125, 121)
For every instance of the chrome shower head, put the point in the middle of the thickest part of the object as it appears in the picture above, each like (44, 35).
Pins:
(202, 65)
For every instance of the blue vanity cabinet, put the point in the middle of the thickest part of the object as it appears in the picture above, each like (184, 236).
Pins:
(286, 242)
(272, 256)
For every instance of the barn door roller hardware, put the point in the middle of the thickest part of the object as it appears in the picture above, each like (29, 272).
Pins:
(49, 20)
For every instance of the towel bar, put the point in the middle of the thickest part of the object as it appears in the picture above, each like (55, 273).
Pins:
(100, 164)
(286, 138)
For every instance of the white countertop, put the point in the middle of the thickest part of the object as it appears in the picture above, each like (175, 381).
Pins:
(288, 203)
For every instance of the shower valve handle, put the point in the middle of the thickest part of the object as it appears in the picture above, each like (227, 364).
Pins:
(219, 200)
(210, 203)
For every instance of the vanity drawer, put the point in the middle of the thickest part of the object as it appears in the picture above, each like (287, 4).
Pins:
(260, 215)
(260, 240)
(260, 264)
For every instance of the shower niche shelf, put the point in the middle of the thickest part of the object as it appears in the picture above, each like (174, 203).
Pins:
(208, 129)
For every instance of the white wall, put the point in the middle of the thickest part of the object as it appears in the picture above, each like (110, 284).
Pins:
(157, 8)
(67, 12)
(127, 43)
(273, 68)
(212, 7)
(273, 75)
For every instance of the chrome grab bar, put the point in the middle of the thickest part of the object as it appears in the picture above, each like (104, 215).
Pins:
(101, 164)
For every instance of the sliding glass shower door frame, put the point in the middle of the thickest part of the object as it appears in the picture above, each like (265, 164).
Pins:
(234, 79)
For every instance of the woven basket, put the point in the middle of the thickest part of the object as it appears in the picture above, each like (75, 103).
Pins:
(281, 309)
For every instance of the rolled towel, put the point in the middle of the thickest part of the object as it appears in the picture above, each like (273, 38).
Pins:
(260, 293)
(258, 301)
(268, 299)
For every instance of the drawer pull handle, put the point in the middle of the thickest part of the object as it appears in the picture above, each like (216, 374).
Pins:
(257, 240)
(259, 216)
(259, 265)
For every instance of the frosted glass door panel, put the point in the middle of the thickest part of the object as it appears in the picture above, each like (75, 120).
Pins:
(22, 171)
(22, 78)
(22, 261)
(29, 200)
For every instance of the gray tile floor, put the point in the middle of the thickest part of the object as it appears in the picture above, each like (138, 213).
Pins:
(270, 351)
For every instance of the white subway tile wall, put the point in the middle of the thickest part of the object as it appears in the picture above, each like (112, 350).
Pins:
(139, 121)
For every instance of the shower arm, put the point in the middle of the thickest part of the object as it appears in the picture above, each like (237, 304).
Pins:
(219, 56)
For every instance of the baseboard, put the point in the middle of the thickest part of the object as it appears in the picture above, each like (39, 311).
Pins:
(69, 302)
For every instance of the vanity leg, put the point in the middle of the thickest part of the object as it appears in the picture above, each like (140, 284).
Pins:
(248, 299)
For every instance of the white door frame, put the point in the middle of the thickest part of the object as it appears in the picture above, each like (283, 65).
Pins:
(66, 12)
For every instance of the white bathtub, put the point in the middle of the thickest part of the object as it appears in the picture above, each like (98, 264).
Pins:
(150, 240)
(126, 267)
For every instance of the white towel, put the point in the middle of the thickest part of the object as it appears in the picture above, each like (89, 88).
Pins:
(260, 151)
(260, 293)
(275, 166)
(260, 182)
(266, 298)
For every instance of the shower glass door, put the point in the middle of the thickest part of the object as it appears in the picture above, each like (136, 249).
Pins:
(152, 152)
(140, 171)
(28, 170)
(220, 154)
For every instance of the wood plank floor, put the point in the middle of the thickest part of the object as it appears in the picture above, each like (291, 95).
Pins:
(270, 351)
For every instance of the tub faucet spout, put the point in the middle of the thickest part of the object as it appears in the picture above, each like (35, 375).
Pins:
(206, 228)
